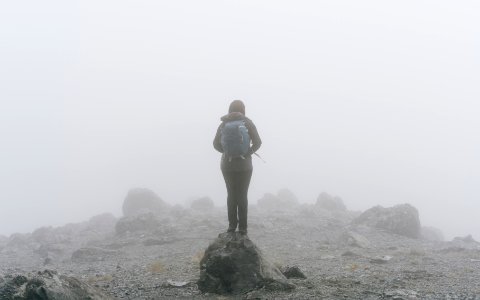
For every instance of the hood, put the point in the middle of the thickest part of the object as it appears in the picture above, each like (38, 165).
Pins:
(233, 117)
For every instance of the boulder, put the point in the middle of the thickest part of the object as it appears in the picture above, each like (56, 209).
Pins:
(3, 240)
(466, 239)
(19, 240)
(354, 239)
(202, 204)
(331, 203)
(48, 285)
(287, 197)
(400, 219)
(102, 223)
(284, 200)
(140, 201)
(431, 234)
(233, 264)
(140, 223)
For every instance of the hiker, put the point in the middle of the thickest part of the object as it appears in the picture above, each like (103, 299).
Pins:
(237, 139)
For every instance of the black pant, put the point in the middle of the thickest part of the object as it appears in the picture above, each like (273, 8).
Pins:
(237, 201)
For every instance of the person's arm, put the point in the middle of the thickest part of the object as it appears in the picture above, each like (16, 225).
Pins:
(255, 137)
(216, 141)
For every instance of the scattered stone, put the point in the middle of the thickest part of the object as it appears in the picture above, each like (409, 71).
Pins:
(233, 264)
(141, 201)
(92, 254)
(332, 203)
(293, 272)
(202, 204)
(48, 285)
(401, 219)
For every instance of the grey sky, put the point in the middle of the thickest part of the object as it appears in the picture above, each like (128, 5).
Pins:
(374, 101)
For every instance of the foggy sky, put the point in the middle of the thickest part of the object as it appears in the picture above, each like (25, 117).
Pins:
(374, 101)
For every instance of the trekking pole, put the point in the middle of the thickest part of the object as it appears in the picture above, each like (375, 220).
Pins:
(260, 157)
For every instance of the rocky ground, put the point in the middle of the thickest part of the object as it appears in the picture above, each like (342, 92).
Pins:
(157, 256)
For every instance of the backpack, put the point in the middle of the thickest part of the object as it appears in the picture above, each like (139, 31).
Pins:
(235, 139)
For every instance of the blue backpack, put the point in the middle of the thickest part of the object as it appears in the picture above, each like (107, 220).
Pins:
(235, 139)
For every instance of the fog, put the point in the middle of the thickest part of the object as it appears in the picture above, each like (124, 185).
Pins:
(376, 102)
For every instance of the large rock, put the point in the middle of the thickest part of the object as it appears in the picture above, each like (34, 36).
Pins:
(102, 223)
(332, 203)
(400, 219)
(284, 200)
(432, 234)
(47, 285)
(288, 197)
(202, 204)
(140, 201)
(140, 223)
(233, 264)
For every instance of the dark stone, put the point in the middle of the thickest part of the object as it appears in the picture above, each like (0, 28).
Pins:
(48, 285)
(332, 203)
(401, 219)
(202, 204)
(233, 264)
(293, 272)
(140, 201)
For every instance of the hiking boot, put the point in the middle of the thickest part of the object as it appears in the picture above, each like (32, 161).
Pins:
(242, 231)
(230, 230)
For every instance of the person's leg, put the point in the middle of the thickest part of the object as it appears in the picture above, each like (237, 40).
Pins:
(243, 184)
(231, 200)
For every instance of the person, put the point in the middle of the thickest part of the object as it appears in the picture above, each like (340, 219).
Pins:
(237, 171)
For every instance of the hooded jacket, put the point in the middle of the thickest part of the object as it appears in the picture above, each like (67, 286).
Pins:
(237, 164)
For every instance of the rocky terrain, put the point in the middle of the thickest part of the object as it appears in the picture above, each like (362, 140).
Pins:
(155, 251)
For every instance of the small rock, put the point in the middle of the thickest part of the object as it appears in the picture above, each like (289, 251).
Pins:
(381, 260)
(401, 294)
(174, 283)
(293, 272)
(350, 254)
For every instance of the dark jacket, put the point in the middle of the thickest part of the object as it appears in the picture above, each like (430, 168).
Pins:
(238, 164)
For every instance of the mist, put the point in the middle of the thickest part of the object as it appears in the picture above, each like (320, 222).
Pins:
(376, 102)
